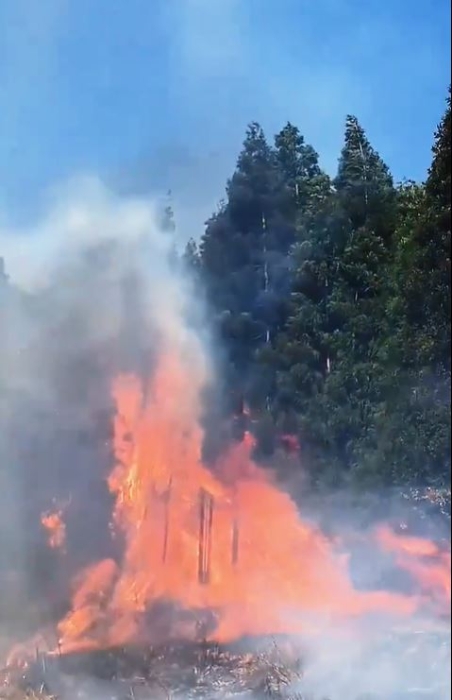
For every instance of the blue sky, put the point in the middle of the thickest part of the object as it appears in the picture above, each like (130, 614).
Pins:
(156, 94)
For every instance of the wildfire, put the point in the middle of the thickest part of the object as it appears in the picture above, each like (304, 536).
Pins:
(222, 548)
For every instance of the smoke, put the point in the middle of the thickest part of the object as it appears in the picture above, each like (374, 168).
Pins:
(93, 289)
(85, 258)
(371, 661)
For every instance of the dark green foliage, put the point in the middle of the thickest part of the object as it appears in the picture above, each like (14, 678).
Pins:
(333, 302)
(439, 179)
(245, 254)
(424, 273)
(412, 427)
(364, 184)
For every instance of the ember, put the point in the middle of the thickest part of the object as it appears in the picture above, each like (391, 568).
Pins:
(56, 529)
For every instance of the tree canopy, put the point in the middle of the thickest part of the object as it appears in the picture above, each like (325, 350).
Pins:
(332, 297)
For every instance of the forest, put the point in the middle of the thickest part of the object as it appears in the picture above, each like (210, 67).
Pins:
(331, 299)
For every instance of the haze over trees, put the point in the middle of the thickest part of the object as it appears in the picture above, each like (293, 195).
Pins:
(332, 299)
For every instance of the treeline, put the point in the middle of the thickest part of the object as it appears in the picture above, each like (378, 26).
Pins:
(331, 298)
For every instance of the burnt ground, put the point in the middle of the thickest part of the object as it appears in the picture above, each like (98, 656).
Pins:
(245, 671)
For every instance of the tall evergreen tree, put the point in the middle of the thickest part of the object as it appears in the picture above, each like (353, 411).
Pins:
(299, 166)
(359, 293)
(304, 355)
(234, 254)
(426, 282)
(413, 427)
(364, 184)
(303, 185)
(339, 301)
(332, 299)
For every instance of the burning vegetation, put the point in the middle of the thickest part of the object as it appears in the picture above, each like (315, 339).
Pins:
(168, 570)
(210, 556)
(224, 547)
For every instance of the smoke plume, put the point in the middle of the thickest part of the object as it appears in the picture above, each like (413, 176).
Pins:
(91, 290)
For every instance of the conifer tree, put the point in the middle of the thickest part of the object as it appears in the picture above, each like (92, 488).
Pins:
(412, 427)
(332, 300)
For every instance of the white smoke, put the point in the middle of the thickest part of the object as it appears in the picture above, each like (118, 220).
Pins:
(94, 288)
(81, 216)
(375, 661)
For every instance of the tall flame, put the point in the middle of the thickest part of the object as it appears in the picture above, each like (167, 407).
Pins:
(223, 541)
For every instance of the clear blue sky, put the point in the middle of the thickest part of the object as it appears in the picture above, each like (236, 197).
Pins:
(156, 94)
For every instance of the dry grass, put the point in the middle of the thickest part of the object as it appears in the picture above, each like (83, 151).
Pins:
(168, 673)
(210, 671)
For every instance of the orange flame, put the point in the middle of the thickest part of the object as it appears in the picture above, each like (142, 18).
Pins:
(429, 565)
(225, 540)
(56, 529)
